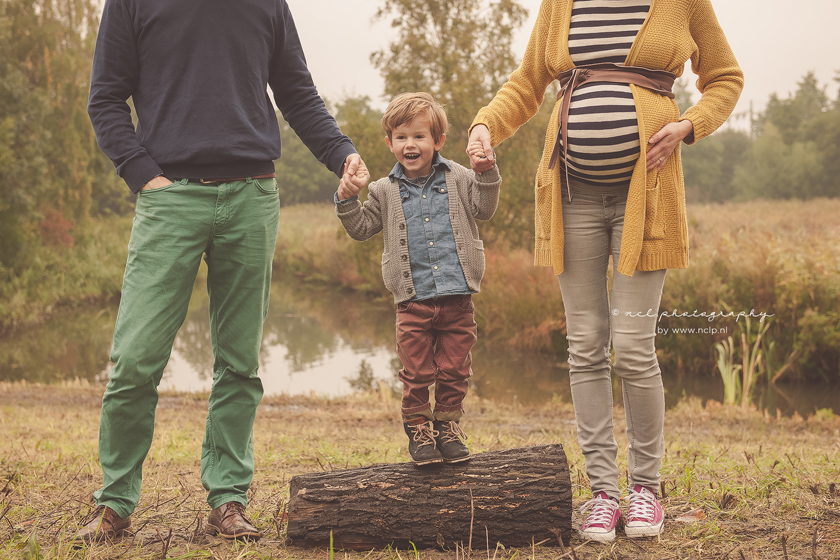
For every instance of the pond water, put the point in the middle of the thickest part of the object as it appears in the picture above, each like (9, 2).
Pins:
(323, 342)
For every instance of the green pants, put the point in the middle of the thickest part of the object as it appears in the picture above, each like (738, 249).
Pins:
(234, 225)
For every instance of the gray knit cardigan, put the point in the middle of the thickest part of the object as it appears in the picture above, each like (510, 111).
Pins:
(472, 196)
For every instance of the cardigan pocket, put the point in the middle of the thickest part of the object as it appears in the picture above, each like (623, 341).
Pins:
(388, 274)
(543, 203)
(478, 245)
(654, 223)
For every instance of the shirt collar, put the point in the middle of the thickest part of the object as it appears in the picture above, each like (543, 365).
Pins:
(397, 172)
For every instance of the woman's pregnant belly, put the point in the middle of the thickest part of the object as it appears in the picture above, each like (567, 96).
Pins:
(603, 135)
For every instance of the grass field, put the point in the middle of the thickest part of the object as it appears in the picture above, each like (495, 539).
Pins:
(764, 487)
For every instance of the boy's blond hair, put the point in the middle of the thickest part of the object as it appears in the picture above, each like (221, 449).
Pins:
(406, 106)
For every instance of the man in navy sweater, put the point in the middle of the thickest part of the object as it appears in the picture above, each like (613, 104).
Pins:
(201, 162)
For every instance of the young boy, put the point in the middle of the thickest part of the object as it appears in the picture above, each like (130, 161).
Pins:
(432, 263)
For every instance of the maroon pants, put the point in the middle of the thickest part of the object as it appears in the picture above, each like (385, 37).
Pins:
(434, 339)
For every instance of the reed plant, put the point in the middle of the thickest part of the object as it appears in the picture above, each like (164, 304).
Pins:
(728, 370)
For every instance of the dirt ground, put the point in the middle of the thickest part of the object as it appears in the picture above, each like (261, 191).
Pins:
(737, 483)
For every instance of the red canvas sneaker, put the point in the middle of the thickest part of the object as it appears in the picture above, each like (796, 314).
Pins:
(645, 517)
(602, 519)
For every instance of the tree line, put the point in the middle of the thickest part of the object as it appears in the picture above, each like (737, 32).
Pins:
(54, 180)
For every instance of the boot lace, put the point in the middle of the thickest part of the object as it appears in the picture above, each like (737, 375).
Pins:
(642, 505)
(452, 432)
(235, 508)
(424, 435)
(602, 511)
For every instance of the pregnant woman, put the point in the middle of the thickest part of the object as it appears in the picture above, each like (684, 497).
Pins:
(610, 183)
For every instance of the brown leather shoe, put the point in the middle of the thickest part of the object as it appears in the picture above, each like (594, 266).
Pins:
(229, 522)
(104, 525)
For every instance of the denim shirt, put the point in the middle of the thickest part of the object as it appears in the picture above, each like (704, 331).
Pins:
(435, 267)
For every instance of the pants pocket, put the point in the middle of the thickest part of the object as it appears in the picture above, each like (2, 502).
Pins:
(266, 186)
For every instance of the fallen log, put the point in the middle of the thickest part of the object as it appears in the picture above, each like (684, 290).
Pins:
(513, 497)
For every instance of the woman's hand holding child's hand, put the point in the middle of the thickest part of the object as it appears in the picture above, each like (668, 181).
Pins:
(479, 149)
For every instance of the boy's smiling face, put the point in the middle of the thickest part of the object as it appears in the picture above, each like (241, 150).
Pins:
(414, 147)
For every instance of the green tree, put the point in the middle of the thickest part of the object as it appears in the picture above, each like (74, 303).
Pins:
(362, 123)
(797, 153)
(792, 115)
(300, 176)
(460, 52)
(457, 50)
(49, 160)
(772, 168)
(709, 166)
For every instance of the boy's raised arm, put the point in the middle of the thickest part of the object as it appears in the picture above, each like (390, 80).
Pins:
(360, 221)
(483, 192)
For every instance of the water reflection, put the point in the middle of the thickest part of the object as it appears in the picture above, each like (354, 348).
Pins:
(75, 343)
(320, 341)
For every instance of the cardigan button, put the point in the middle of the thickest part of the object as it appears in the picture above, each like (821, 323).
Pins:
(402, 241)
(402, 226)
(405, 257)
(405, 274)
(410, 291)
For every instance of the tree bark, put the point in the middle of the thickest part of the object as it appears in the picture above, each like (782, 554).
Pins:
(513, 497)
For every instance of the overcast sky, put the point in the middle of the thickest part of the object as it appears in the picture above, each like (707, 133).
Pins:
(775, 41)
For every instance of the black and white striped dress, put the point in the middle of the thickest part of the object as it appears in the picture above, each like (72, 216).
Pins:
(603, 132)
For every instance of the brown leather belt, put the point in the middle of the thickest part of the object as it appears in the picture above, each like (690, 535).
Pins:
(658, 81)
(232, 179)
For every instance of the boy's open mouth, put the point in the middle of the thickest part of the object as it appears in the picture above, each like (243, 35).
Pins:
(411, 157)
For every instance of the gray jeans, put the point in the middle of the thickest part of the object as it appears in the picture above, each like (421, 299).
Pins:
(592, 225)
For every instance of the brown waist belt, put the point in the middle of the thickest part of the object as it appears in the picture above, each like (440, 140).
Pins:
(214, 181)
(658, 81)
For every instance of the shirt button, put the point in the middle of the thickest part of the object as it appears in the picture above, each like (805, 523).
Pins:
(424, 196)
(427, 219)
(442, 190)
(431, 242)
(435, 268)
(608, 199)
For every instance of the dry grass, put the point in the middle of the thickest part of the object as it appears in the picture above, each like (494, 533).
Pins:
(760, 482)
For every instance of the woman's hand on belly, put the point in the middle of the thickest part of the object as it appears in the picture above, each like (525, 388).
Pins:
(662, 144)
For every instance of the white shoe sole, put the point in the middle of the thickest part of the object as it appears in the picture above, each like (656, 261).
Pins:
(599, 537)
(643, 530)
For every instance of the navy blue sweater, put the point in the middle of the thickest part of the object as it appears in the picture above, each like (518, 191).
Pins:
(197, 71)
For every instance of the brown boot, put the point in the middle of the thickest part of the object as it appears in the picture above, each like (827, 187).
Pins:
(229, 522)
(104, 525)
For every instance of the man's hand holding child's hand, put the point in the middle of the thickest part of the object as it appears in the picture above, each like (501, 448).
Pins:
(354, 179)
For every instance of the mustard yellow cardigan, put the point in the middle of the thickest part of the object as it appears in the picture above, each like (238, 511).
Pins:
(655, 230)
